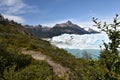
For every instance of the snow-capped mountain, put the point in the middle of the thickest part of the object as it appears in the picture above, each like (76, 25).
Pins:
(86, 41)
(90, 30)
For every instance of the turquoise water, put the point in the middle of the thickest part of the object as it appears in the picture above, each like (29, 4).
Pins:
(94, 53)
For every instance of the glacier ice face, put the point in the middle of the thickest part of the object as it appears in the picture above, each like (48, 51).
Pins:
(86, 41)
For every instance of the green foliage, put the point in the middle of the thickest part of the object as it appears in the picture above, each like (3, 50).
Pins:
(16, 66)
(38, 70)
(110, 55)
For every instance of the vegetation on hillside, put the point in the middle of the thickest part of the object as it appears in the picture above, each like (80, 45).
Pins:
(16, 66)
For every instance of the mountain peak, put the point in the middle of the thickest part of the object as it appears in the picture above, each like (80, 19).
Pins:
(69, 22)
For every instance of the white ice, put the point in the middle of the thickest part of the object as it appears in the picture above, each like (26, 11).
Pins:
(86, 41)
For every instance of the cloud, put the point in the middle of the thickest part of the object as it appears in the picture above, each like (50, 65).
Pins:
(12, 9)
(16, 7)
(15, 18)
(12, 6)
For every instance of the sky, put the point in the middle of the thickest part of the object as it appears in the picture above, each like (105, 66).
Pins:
(50, 12)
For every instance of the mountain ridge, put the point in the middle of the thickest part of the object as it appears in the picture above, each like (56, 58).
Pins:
(58, 29)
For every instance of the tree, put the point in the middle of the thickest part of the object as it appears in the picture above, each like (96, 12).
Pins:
(109, 57)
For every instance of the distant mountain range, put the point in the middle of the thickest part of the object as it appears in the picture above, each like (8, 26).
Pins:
(58, 29)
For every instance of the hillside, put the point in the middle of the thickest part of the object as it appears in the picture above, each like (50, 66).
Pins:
(14, 65)
(58, 29)
(25, 57)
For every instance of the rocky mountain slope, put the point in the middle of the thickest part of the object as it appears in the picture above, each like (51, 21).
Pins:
(58, 29)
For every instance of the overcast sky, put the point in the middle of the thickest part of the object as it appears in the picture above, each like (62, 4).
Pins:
(49, 12)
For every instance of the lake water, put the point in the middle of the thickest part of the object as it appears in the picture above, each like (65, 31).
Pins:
(94, 53)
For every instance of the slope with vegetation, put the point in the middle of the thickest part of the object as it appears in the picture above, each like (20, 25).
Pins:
(14, 65)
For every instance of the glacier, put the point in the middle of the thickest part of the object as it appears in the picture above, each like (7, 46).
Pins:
(74, 41)
(78, 44)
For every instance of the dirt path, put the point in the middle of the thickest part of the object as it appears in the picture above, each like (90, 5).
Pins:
(57, 68)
